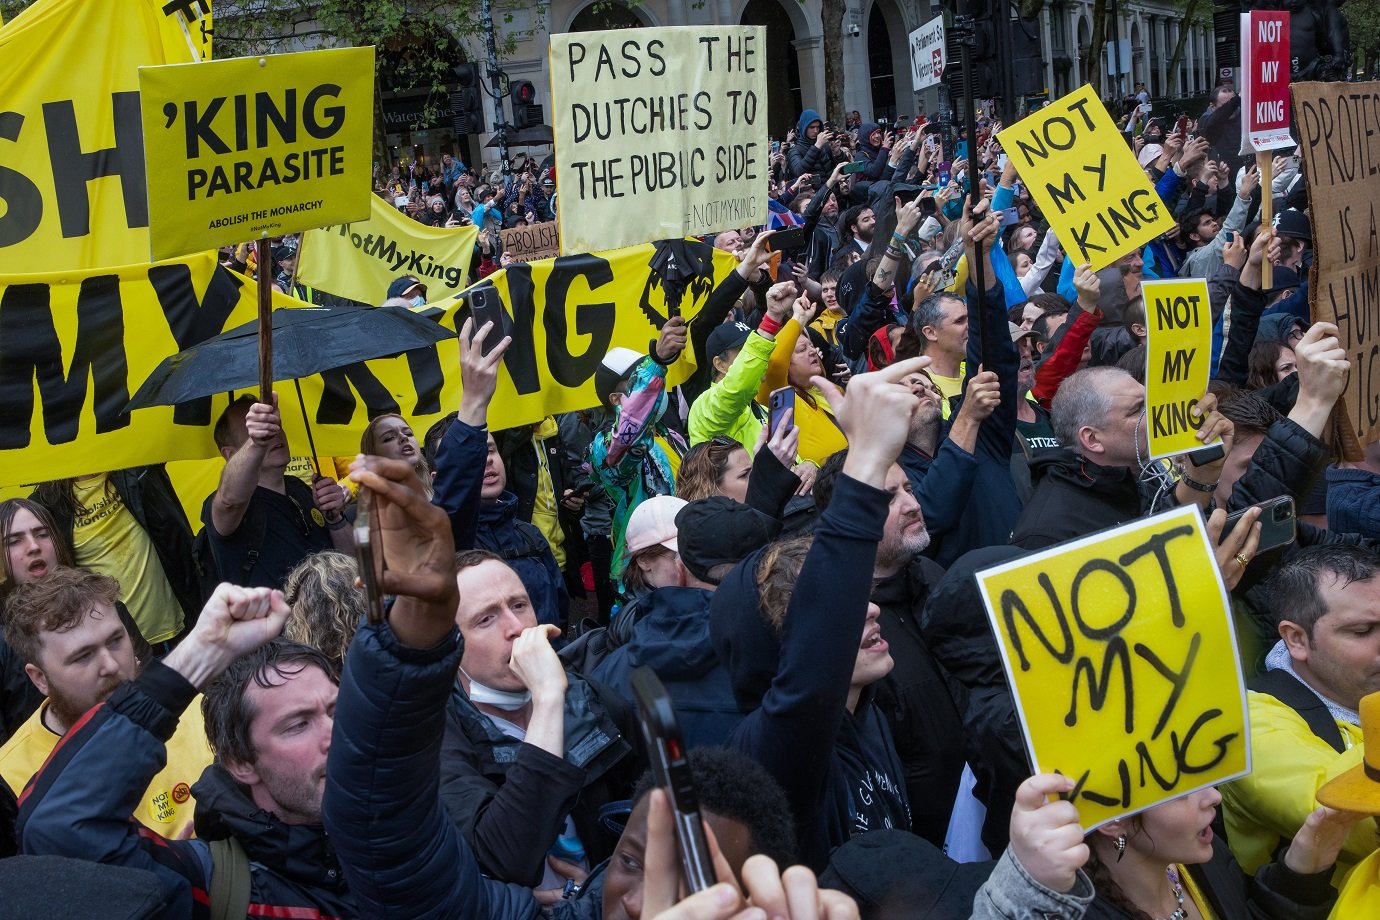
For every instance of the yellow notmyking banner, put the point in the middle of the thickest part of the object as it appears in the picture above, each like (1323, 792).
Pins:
(74, 346)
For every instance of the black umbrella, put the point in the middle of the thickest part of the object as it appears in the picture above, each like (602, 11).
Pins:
(306, 341)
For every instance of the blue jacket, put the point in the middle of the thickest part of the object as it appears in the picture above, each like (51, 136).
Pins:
(1353, 502)
(495, 527)
(670, 634)
(942, 484)
(79, 805)
(401, 854)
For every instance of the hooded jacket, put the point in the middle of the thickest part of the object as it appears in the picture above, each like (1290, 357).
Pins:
(494, 526)
(875, 158)
(667, 630)
(803, 156)
(93, 782)
(1073, 497)
(402, 855)
(839, 770)
(510, 799)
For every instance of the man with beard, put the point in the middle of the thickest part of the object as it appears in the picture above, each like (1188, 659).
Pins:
(77, 652)
(915, 697)
(269, 710)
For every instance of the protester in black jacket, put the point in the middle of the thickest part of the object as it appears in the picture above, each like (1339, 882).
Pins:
(815, 728)
(810, 152)
(531, 752)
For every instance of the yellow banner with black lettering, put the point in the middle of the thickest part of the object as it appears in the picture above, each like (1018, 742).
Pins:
(73, 190)
(256, 146)
(359, 260)
(75, 346)
(1122, 660)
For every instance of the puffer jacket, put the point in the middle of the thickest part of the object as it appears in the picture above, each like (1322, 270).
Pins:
(1074, 496)
(668, 632)
(804, 157)
(1353, 501)
(402, 855)
(80, 804)
(511, 799)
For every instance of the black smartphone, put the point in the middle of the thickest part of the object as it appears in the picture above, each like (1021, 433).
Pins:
(856, 166)
(1205, 455)
(671, 771)
(778, 404)
(486, 307)
(1277, 523)
(364, 556)
(786, 240)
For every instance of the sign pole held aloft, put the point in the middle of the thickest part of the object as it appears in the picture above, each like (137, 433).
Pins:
(965, 37)
(264, 255)
(1264, 161)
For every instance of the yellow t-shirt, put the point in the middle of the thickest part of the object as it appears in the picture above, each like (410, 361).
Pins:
(545, 511)
(950, 387)
(109, 541)
(167, 806)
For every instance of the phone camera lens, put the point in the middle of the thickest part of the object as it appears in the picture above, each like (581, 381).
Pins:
(1281, 513)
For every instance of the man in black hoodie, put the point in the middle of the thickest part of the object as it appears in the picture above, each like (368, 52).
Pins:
(814, 727)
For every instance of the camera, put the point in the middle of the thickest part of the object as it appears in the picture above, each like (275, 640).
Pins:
(853, 30)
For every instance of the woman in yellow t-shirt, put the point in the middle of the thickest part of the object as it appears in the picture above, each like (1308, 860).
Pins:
(794, 360)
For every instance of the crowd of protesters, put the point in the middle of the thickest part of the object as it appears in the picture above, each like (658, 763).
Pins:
(199, 719)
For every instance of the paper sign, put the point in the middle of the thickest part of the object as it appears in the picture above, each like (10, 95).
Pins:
(1123, 664)
(256, 147)
(662, 133)
(532, 242)
(1085, 179)
(927, 54)
(1265, 80)
(1178, 320)
(1341, 152)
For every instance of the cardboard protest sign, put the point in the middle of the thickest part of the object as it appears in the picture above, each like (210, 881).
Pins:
(255, 147)
(73, 192)
(927, 54)
(359, 260)
(1123, 663)
(1085, 179)
(1178, 322)
(1341, 152)
(532, 242)
(74, 347)
(662, 133)
(1265, 81)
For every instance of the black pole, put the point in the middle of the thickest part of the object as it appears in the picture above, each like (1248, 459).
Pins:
(496, 82)
(966, 38)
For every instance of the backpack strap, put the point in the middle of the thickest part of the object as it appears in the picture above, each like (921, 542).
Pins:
(229, 880)
(258, 529)
(1292, 692)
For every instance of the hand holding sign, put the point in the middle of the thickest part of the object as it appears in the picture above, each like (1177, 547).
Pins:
(1088, 285)
(1046, 838)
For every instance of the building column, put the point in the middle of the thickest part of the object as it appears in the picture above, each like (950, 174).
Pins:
(810, 52)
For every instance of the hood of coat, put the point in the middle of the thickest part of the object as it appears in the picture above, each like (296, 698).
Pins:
(865, 146)
(1063, 465)
(955, 624)
(299, 852)
(672, 635)
(743, 640)
(807, 118)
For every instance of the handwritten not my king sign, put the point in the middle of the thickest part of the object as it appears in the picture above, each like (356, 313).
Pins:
(1122, 660)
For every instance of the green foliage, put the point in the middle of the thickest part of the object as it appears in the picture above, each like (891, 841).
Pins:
(1363, 18)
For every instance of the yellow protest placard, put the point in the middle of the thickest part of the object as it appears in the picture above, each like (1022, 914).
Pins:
(73, 192)
(1085, 179)
(662, 133)
(256, 147)
(75, 347)
(360, 259)
(1178, 322)
(1122, 660)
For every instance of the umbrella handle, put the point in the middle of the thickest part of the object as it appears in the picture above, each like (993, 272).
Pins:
(311, 443)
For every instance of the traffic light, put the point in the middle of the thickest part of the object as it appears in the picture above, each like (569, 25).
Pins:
(986, 55)
(467, 102)
(526, 112)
